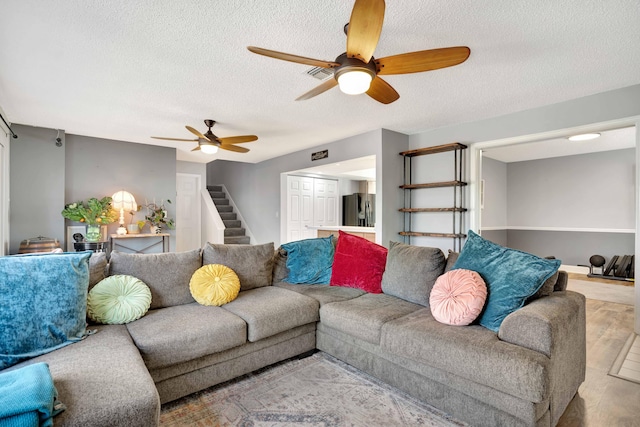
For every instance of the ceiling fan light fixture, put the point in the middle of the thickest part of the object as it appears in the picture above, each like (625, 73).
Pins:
(354, 82)
(584, 137)
(208, 148)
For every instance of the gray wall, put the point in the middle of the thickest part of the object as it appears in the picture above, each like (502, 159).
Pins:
(256, 188)
(594, 190)
(37, 176)
(44, 178)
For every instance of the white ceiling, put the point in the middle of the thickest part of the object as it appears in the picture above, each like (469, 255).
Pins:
(128, 70)
(616, 139)
(362, 168)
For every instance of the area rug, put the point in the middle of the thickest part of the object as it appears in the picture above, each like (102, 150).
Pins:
(315, 391)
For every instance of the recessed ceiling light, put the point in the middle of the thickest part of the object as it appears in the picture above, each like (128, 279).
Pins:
(584, 137)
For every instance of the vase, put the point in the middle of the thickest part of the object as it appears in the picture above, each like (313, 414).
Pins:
(155, 229)
(133, 229)
(93, 233)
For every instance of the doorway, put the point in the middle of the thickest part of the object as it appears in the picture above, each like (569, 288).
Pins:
(476, 195)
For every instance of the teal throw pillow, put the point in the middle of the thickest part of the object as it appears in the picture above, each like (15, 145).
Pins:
(43, 304)
(511, 276)
(309, 261)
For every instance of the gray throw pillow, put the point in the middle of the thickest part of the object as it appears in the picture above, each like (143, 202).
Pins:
(280, 270)
(546, 289)
(411, 272)
(97, 268)
(252, 263)
(451, 260)
(167, 274)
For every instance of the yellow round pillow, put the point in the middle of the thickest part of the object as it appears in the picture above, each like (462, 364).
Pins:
(214, 284)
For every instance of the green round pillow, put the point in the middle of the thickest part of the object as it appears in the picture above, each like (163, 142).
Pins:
(214, 284)
(118, 299)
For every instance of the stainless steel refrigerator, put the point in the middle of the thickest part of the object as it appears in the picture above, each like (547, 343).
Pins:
(358, 209)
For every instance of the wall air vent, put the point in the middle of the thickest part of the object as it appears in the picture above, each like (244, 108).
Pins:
(320, 73)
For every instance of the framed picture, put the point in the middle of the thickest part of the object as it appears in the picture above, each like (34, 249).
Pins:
(71, 230)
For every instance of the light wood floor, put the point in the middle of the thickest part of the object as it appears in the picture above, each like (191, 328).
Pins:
(603, 400)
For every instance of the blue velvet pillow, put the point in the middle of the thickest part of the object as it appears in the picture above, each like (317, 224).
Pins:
(309, 261)
(511, 276)
(43, 304)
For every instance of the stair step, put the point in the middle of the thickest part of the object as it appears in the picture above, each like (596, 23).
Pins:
(237, 240)
(225, 208)
(228, 215)
(219, 202)
(214, 187)
(234, 232)
(232, 223)
(217, 195)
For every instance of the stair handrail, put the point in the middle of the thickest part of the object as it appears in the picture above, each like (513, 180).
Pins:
(245, 225)
(212, 225)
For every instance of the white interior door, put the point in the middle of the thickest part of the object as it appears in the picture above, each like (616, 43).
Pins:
(299, 208)
(325, 196)
(188, 219)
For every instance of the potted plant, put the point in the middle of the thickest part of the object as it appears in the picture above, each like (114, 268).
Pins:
(157, 217)
(94, 212)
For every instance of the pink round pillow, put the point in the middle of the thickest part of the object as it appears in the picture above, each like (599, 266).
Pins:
(457, 297)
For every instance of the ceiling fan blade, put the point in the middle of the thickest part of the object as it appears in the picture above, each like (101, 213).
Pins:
(325, 86)
(235, 148)
(196, 149)
(382, 91)
(364, 29)
(424, 60)
(197, 133)
(293, 58)
(238, 139)
(174, 139)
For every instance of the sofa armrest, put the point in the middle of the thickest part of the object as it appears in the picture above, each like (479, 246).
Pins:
(547, 323)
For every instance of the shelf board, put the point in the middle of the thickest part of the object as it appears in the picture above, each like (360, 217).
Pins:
(419, 233)
(434, 185)
(413, 210)
(433, 150)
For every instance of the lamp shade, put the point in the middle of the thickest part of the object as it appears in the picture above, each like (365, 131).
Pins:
(123, 200)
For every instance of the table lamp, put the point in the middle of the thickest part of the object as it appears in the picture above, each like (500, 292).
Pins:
(123, 200)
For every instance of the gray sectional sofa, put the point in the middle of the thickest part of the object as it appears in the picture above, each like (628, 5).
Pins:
(524, 375)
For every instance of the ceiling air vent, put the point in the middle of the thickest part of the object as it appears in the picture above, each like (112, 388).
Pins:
(320, 73)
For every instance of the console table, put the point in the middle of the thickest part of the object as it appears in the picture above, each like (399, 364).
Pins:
(139, 243)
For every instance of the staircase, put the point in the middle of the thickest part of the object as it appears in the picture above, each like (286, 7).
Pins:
(234, 234)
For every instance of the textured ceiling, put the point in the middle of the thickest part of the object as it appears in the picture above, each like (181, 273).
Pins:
(128, 70)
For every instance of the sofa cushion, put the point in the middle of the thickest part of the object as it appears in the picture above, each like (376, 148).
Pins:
(324, 294)
(252, 263)
(270, 310)
(103, 381)
(452, 257)
(511, 276)
(364, 316)
(358, 263)
(166, 274)
(118, 299)
(457, 297)
(471, 352)
(309, 261)
(43, 303)
(411, 271)
(214, 284)
(185, 332)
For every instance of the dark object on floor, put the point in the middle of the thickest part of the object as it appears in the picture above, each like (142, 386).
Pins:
(619, 267)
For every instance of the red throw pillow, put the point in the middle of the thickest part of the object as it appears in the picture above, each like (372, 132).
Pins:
(358, 263)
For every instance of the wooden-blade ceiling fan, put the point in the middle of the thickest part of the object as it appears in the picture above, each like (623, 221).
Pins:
(357, 71)
(209, 143)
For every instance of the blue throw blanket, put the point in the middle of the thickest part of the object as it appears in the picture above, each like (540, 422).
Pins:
(27, 397)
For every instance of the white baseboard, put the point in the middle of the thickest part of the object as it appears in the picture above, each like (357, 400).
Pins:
(574, 269)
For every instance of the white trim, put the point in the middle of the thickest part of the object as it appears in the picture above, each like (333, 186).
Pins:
(574, 269)
(212, 225)
(576, 230)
